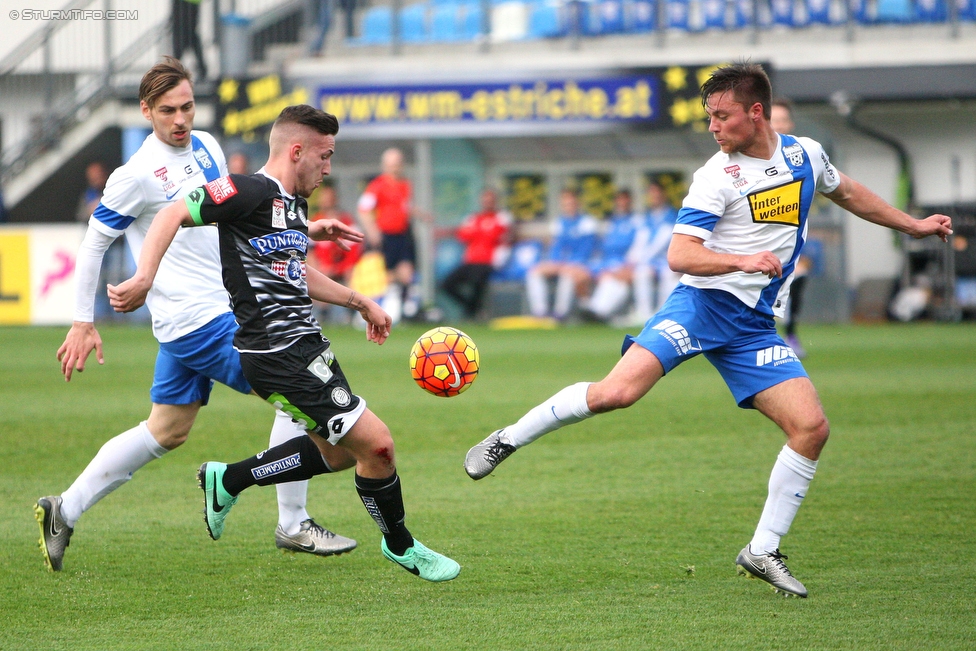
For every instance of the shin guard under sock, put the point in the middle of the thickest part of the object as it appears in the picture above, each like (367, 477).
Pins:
(384, 502)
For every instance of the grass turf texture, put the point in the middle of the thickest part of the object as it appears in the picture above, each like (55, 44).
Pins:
(617, 533)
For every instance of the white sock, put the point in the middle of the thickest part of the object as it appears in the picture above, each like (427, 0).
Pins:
(565, 408)
(565, 293)
(293, 495)
(393, 301)
(643, 292)
(112, 466)
(610, 295)
(537, 291)
(788, 484)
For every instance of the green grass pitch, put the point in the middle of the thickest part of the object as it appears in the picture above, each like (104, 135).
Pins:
(617, 533)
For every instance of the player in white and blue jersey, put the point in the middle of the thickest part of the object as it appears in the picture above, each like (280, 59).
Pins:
(613, 266)
(574, 240)
(737, 239)
(191, 319)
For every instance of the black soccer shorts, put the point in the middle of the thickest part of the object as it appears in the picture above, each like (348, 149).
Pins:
(305, 381)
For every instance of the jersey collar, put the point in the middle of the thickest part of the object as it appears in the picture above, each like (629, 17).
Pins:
(281, 188)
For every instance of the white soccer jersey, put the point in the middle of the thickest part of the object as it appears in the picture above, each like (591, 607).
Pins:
(743, 205)
(187, 292)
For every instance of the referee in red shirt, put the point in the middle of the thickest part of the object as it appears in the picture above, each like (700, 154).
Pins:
(385, 210)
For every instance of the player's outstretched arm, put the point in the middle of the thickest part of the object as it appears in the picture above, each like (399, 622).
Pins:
(336, 231)
(856, 198)
(687, 254)
(324, 289)
(83, 338)
(80, 341)
(131, 294)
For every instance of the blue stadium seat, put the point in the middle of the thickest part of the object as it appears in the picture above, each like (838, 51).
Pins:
(966, 9)
(444, 22)
(471, 21)
(782, 12)
(642, 15)
(524, 256)
(608, 17)
(377, 26)
(818, 12)
(713, 14)
(743, 13)
(678, 14)
(545, 21)
(894, 11)
(860, 10)
(413, 23)
(931, 11)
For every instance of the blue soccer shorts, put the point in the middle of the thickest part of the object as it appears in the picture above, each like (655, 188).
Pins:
(738, 341)
(186, 368)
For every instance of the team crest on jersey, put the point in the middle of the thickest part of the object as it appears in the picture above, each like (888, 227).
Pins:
(293, 269)
(278, 214)
(794, 153)
(341, 397)
(161, 174)
(733, 171)
(779, 205)
(220, 190)
(203, 158)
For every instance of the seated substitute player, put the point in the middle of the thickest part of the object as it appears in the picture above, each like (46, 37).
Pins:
(264, 241)
(612, 266)
(574, 241)
(191, 318)
(739, 233)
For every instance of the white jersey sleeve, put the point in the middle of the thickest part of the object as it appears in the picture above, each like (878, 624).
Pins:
(123, 200)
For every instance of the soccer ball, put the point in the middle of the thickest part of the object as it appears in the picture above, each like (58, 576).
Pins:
(444, 361)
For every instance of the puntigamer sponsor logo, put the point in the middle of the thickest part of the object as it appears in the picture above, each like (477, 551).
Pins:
(283, 241)
(277, 467)
(779, 205)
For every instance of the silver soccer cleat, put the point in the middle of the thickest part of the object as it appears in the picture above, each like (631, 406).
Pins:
(483, 458)
(771, 569)
(313, 539)
(55, 534)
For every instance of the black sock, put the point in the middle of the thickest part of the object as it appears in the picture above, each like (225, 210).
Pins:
(293, 460)
(384, 502)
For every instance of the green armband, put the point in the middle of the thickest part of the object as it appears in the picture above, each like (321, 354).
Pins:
(194, 199)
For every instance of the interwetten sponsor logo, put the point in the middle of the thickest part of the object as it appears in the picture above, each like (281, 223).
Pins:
(779, 205)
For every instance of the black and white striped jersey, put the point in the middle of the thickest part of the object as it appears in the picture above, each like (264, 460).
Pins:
(263, 234)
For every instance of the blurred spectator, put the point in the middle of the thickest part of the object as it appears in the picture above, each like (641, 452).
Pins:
(238, 163)
(483, 234)
(96, 176)
(574, 241)
(328, 257)
(4, 216)
(385, 212)
(186, 19)
(321, 11)
(613, 269)
(781, 119)
(349, 9)
(653, 278)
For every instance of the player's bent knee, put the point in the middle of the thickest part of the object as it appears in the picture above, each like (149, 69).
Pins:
(603, 398)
